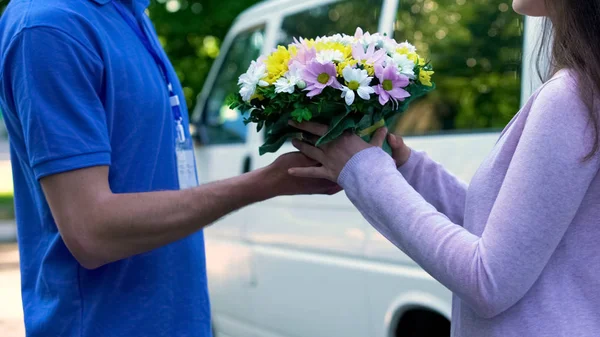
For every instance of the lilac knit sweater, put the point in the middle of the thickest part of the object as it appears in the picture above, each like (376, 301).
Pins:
(520, 247)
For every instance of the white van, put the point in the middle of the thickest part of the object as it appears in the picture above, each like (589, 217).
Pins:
(312, 266)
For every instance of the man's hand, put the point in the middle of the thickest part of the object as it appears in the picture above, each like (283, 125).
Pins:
(400, 152)
(281, 182)
(99, 226)
(333, 156)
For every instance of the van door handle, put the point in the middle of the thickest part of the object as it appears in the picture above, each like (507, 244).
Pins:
(247, 165)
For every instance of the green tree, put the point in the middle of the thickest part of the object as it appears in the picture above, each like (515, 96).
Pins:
(475, 48)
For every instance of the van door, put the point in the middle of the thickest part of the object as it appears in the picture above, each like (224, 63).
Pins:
(223, 153)
(307, 250)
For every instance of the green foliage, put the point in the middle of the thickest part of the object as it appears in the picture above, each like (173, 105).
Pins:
(6, 207)
(476, 49)
(301, 114)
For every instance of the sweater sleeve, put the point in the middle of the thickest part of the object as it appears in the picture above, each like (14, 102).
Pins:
(541, 193)
(436, 185)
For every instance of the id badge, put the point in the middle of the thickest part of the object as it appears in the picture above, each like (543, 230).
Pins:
(186, 165)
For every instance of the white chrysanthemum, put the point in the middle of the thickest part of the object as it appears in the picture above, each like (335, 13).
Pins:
(375, 39)
(289, 82)
(405, 65)
(390, 46)
(357, 80)
(342, 38)
(253, 77)
(330, 55)
(407, 46)
(322, 39)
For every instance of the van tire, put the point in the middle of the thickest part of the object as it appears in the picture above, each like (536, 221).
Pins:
(422, 323)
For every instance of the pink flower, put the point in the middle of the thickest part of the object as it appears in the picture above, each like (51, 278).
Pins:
(370, 57)
(303, 57)
(318, 76)
(390, 84)
(358, 33)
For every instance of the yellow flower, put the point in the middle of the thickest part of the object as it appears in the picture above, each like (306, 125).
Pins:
(345, 50)
(413, 57)
(348, 62)
(277, 64)
(369, 68)
(293, 50)
(310, 43)
(405, 50)
(425, 77)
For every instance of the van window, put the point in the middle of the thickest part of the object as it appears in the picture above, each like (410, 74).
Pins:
(224, 125)
(339, 17)
(475, 48)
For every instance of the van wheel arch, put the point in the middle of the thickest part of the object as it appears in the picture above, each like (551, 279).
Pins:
(418, 321)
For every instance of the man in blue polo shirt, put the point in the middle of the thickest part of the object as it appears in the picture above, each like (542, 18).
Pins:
(108, 215)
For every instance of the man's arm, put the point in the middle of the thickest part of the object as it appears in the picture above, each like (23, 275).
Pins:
(100, 227)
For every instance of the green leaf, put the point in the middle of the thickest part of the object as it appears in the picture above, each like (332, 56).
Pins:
(274, 143)
(301, 114)
(231, 99)
(260, 125)
(365, 122)
(338, 125)
(280, 125)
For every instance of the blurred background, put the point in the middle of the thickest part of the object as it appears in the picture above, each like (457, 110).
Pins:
(475, 47)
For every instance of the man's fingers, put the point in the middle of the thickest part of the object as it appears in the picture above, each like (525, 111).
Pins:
(314, 128)
(302, 159)
(396, 145)
(334, 190)
(309, 150)
(379, 137)
(309, 172)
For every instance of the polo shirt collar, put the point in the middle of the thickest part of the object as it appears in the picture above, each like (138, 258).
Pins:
(139, 3)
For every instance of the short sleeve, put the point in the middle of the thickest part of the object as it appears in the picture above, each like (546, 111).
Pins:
(55, 83)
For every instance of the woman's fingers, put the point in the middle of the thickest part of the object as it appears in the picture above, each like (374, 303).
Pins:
(379, 137)
(314, 128)
(310, 172)
(309, 150)
(309, 138)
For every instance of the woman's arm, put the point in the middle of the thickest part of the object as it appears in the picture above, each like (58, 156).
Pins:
(541, 193)
(436, 185)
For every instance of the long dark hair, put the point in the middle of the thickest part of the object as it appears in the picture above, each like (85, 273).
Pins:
(571, 38)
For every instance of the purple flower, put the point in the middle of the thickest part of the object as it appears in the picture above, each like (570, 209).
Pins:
(318, 76)
(370, 56)
(390, 84)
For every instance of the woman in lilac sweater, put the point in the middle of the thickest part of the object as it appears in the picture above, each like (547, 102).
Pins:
(520, 247)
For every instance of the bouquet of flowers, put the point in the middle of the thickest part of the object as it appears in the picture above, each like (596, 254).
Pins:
(352, 83)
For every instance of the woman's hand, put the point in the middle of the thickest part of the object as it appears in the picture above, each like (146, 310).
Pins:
(278, 182)
(400, 152)
(334, 155)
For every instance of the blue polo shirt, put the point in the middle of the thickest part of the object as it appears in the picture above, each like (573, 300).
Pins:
(79, 89)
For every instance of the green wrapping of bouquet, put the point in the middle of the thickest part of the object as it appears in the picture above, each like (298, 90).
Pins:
(350, 83)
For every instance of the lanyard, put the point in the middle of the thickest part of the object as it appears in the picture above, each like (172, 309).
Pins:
(173, 98)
